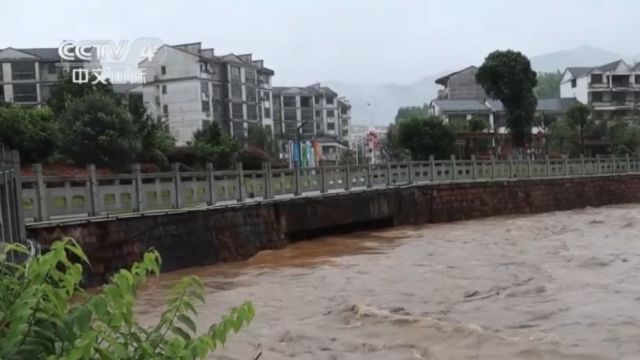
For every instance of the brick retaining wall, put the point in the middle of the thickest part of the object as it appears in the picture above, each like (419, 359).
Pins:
(207, 236)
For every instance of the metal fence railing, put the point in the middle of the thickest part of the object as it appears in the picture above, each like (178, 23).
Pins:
(52, 197)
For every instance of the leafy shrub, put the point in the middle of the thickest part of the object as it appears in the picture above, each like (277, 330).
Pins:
(45, 315)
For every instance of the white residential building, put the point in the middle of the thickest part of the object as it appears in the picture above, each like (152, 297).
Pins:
(27, 75)
(192, 87)
(612, 90)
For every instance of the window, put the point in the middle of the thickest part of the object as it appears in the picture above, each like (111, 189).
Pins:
(251, 94)
(236, 111)
(1, 73)
(1, 92)
(289, 101)
(252, 112)
(235, 74)
(637, 79)
(596, 97)
(236, 91)
(317, 100)
(596, 78)
(52, 68)
(331, 126)
(574, 83)
(306, 114)
(25, 93)
(305, 101)
(331, 113)
(165, 109)
(163, 70)
(267, 112)
(204, 88)
(205, 106)
(164, 89)
(250, 76)
(637, 96)
(23, 70)
(318, 114)
(329, 100)
(290, 114)
(619, 97)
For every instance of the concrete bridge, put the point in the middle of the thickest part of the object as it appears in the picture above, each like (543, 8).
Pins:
(204, 217)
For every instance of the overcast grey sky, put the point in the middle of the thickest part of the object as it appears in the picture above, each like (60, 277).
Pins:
(345, 40)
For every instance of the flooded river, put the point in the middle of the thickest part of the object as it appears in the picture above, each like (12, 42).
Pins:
(562, 285)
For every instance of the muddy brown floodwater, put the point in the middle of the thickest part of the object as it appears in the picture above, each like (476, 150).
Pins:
(562, 285)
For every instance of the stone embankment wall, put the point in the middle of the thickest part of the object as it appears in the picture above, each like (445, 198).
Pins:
(211, 235)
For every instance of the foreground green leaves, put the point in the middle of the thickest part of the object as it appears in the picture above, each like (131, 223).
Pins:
(44, 314)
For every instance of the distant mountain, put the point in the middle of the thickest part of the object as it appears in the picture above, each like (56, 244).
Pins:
(385, 99)
(580, 56)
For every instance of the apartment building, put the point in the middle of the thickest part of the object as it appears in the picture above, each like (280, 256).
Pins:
(192, 87)
(612, 90)
(27, 75)
(310, 111)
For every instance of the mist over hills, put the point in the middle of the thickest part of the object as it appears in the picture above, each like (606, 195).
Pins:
(385, 99)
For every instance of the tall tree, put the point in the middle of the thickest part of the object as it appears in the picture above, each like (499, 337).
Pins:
(65, 91)
(406, 112)
(96, 129)
(579, 118)
(424, 136)
(31, 131)
(211, 144)
(507, 76)
(548, 85)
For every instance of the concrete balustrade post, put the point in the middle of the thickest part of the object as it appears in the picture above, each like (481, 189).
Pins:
(369, 183)
(347, 177)
(599, 169)
(268, 179)
(93, 190)
(565, 164)
(547, 165)
(529, 167)
(493, 166)
(583, 170)
(296, 181)
(409, 172)
(453, 167)
(628, 161)
(432, 168)
(388, 173)
(512, 172)
(614, 166)
(41, 194)
(211, 185)
(138, 205)
(177, 186)
(323, 179)
(240, 176)
(474, 167)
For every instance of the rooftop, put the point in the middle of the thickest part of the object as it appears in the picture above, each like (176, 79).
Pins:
(444, 79)
(314, 89)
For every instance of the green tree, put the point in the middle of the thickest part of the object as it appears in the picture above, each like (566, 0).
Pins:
(548, 85)
(66, 91)
(97, 129)
(625, 138)
(579, 118)
(31, 131)
(406, 112)
(507, 76)
(545, 121)
(155, 139)
(560, 137)
(212, 145)
(44, 314)
(424, 136)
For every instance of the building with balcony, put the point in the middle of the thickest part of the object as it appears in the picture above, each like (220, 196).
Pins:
(28, 75)
(191, 87)
(612, 90)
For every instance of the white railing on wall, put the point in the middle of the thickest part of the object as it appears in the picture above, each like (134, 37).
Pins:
(53, 197)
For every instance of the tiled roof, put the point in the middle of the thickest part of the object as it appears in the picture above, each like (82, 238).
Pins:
(559, 105)
(443, 79)
(609, 67)
(304, 90)
(579, 71)
(461, 105)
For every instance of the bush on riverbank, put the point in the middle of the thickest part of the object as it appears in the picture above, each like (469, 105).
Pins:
(44, 314)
